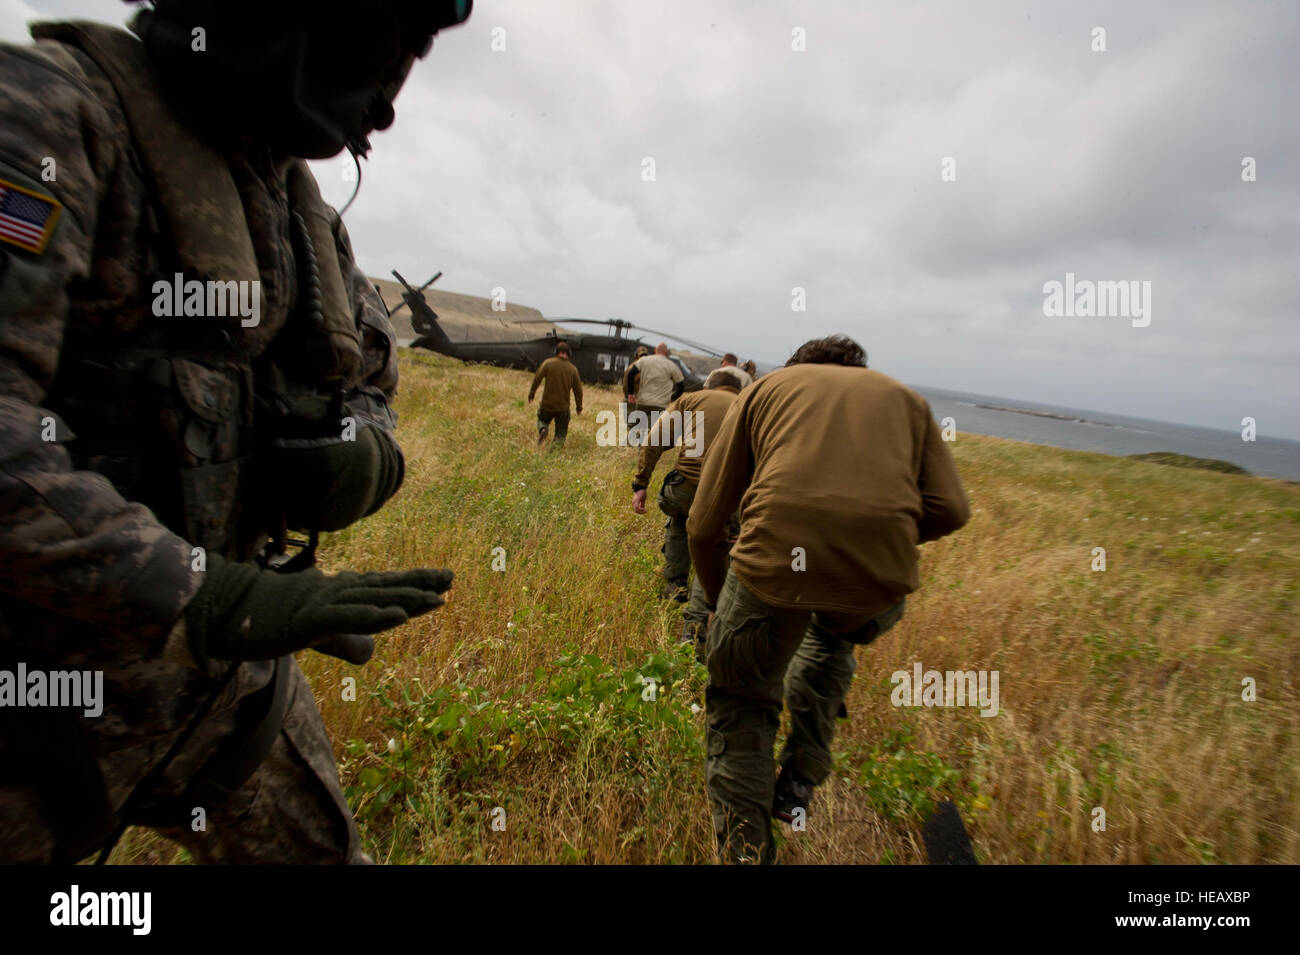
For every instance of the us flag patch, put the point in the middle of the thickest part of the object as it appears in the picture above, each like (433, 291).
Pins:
(27, 219)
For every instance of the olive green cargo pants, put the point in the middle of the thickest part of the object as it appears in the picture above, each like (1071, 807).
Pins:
(675, 499)
(757, 655)
(695, 618)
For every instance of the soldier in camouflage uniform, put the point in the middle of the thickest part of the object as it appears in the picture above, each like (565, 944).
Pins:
(150, 462)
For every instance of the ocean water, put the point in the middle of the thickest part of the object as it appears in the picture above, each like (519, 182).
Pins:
(1081, 430)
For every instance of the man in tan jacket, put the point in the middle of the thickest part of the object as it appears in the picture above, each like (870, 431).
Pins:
(692, 420)
(729, 360)
(839, 473)
(653, 381)
(560, 377)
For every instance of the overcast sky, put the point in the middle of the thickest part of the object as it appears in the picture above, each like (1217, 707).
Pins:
(777, 168)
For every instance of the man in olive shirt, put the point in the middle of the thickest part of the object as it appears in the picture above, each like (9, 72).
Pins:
(839, 473)
(692, 421)
(561, 378)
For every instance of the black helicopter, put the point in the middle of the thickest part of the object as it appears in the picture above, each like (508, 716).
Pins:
(599, 358)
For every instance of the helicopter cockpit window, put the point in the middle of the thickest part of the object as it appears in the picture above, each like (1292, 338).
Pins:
(602, 359)
(620, 362)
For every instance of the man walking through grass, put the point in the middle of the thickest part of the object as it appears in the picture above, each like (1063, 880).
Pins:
(691, 420)
(560, 377)
(839, 473)
(652, 382)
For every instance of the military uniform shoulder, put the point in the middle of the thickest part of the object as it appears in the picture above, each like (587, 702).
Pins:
(709, 400)
(61, 125)
(883, 381)
(43, 61)
(53, 74)
(718, 395)
(884, 384)
(775, 377)
(690, 400)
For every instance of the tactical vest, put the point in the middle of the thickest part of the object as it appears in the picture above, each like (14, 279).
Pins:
(174, 416)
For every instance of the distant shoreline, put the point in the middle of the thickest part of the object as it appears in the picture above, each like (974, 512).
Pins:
(1044, 414)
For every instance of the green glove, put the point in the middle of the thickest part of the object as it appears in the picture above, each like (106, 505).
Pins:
(245, 613)
(331, 484)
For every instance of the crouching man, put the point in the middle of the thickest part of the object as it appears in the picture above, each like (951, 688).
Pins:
(839, 472)
(691, 420)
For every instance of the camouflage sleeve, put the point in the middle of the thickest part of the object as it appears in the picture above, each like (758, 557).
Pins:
(69, 543)
(373, 395)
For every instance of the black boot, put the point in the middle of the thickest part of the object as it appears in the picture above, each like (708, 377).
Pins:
(695, 633)
(792, 792)
(677, 588)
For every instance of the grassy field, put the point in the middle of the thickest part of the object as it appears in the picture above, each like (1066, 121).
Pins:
(513, 725)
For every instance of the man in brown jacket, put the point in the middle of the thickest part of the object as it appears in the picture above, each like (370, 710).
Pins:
(560, 377)
(692, 420)
(839, 473)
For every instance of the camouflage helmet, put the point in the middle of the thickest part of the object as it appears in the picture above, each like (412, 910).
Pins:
(291, 74)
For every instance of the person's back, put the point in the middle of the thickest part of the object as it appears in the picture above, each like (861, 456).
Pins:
(707, 409)
(839, 473)
(730, 362)
(657, 374)
(559, 377)
(838, 452)
(693, 420)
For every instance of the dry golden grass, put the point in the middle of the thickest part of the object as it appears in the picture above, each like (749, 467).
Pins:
(1120, 689)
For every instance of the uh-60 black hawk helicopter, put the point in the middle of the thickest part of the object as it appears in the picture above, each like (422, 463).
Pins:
(598, 358)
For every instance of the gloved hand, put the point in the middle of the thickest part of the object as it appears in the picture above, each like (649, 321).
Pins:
(330, 484)
(354, 648)
(245, 613)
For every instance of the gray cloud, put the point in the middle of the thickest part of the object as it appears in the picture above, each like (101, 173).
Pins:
(820, 169)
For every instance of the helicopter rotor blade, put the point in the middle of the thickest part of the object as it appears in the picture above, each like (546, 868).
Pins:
(685, 341)
(624, 324)
(620, 323)
(567, 321)
(698, 346)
